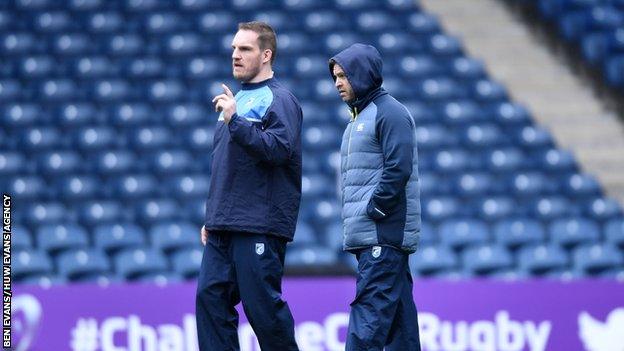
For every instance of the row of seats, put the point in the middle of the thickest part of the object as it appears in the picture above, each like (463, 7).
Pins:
(476, 260)
(455, 233)
(596, 28)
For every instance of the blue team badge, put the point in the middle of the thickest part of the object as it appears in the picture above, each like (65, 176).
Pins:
(376, 251)
(259, 248)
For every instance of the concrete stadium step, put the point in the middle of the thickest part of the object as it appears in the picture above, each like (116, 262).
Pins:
(540, 79)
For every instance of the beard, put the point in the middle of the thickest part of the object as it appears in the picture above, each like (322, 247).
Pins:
(245, 74)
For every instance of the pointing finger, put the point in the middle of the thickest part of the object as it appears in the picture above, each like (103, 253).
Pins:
(227, 90)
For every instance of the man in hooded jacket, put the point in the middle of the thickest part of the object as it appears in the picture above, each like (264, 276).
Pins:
(381, 203)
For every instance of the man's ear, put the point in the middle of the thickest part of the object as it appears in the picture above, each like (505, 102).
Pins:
(267, 55)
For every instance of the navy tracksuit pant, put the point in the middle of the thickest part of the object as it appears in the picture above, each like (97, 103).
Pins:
(243, 267)
(383, 313)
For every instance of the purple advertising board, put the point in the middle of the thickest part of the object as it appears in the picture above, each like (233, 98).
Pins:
(453, 315)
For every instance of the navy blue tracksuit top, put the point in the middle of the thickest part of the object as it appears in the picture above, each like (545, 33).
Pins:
(256, 163)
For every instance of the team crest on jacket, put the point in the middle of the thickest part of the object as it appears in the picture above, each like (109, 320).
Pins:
(376, 251)
(360, 127)
(259, 248)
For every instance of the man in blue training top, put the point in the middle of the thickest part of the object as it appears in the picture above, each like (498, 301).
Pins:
(253, 201)
(381, 204)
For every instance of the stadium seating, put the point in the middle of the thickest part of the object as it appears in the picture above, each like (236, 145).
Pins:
(107, 126)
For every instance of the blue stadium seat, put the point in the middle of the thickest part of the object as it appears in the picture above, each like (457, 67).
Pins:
(306, 236)
(466, 68)
(20, 115)
(105, 22)
(172, 236)
(92, 67)
(422, 23)
(40, 139)
(187, 262)
(118, 236)
(551, 207)
(73, 44)
(461, 112)
(15, 43)
(603, 209)
(531, 184)
(428, 234)
(197, 5)
(487, 259)
(432, 259)
(195, 209)
(132, 114)
(189, 186)
(332, 236)
(324, 21)
(614, 70)
(394, 43)
(59, 162)
(310, 66)
(85, 5)
(573, 231)
(510, 114)
(506, 160)
(483, 136)
(279, 20)
(474, 184)
(614, 232)
(150, 138)
(510, 275)
(45, 213)
(452, 161)
(440, 208)
(78, 187)
(115, 162)
(444, 45)
(204, 68)
(336, 42)
(133, 263)
(31, 67)
(21, 239)
(326, 211)
(61, 237)
(217, 22)
(433, 184)
(535, 138)
(199, 139)
(321, 137)
(310, 256)
(144, 67)
(78, 264)
(182, 115)
(26, 263)
(494, 208)
(94, 213)
(542, 258)
(458, 233)
(134, 186)
(160, 278)
(27, 188)
(162, 23)
(417, 66)
(581, 185)
(435, 136)
(439, 89)
(76, 114)
(165, 91)
(374, 21)
(317, 185)
(11, 162)
(52, 22)
(95, 138)
(184, 44)
(514, 232)
(355, 5)
(153, 211)
(111, 90)
(125, 45)
(44, 281)
(557, 161)
(170, 161)
(593, 258)
(486, 90)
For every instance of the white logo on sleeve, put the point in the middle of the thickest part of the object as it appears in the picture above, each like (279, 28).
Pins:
(360, 127)
(376, 251)
(259, 248)
(598, 336)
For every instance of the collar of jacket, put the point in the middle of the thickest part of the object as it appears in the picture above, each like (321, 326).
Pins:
(356, 106)
(256, 85)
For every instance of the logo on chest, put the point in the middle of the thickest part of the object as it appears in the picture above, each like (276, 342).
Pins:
(259, 248)
(360, 127)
